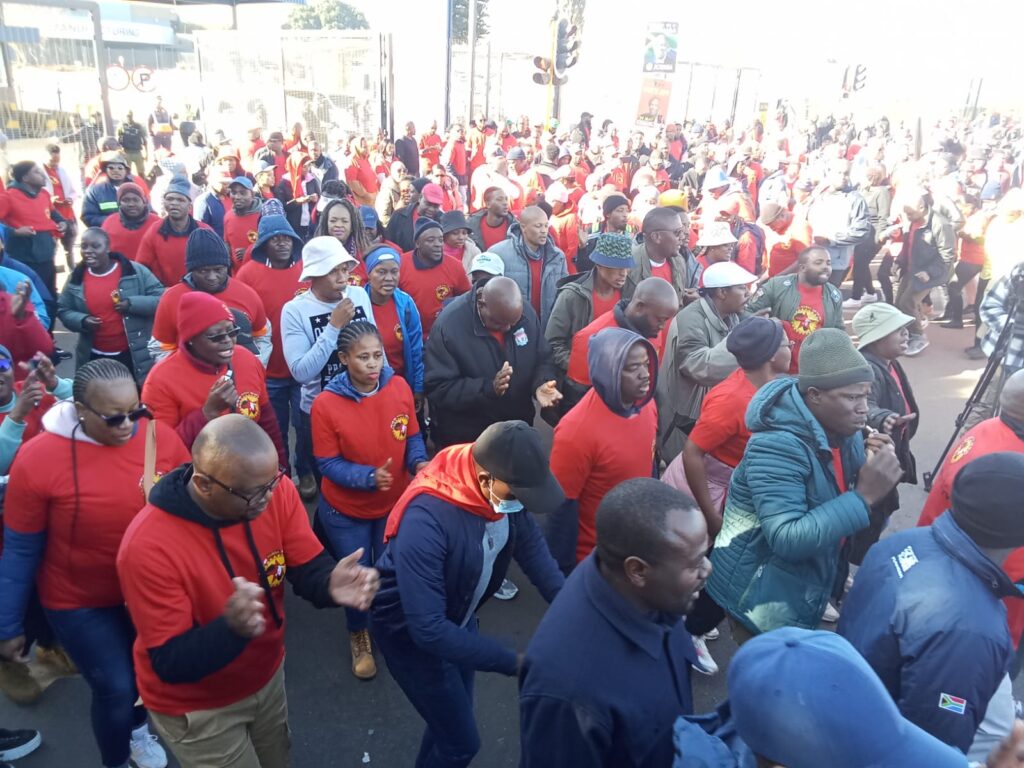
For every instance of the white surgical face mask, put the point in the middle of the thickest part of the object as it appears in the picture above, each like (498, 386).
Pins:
(505, 506)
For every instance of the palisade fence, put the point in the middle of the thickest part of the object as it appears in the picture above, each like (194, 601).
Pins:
(338, 82)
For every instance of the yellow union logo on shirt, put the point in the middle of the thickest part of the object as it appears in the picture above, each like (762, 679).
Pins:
(248, 404)
(806, 320)
(275, 566)
(400, 426)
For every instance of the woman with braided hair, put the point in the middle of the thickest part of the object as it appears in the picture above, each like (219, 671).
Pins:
(341, 220)
(73, 491)
(367, 443)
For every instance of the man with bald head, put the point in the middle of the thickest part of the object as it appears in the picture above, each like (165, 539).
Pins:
(485, 361)
(533, 260)
(662, 251)
(621, 610)
(202, 568)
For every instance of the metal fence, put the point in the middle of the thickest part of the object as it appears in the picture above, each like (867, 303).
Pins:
(336, 85)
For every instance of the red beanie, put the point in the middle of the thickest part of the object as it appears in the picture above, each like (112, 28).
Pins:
(127, 187)
(197, 311)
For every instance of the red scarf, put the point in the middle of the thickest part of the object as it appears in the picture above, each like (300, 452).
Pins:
(295, 173)
(451, 477)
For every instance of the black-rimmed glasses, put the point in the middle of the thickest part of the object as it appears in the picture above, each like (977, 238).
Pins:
(117, 419)
(252, 497)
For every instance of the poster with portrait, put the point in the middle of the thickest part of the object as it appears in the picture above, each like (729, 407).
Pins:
(661, 46)
(653, 107)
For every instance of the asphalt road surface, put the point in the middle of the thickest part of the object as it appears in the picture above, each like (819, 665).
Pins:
(340, 722)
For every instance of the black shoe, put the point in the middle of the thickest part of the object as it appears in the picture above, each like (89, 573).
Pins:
(61, 355)
(956, 324)
(16, 744)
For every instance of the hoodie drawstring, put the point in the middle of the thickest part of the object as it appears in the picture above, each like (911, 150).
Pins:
(262, 574)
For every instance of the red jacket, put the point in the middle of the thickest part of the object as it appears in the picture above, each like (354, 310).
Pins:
(18, 209)
(163, 251)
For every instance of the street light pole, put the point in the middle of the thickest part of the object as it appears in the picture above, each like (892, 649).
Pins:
(472, 56)
(448, 69)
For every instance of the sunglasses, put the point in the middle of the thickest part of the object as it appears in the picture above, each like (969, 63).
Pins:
(117, 419)
(252, 497)
(5, 364)
(217, 338)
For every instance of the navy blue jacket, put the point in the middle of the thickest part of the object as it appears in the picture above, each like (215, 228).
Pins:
(602, 683)
(100, 199)
(209, 209)
(431, 567)
(925, 611)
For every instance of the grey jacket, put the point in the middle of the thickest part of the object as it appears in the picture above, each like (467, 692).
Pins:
(514, 255)
(573, 311)
(138, 285)
(685, 269)
(475, 232)
(695, 360)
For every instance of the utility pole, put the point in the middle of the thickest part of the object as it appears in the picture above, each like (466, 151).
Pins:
(472, 56)
(448, 69)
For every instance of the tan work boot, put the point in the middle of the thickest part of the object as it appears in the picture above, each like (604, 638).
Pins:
(57, 660)
(17, 682)
(363, 665)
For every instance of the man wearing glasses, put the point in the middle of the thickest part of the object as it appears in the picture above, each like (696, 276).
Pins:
(662, 252)
(202, 568)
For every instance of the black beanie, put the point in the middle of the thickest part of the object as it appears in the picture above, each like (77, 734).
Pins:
(754, 341)
(986, 500)
(205, 249)
(612, 202)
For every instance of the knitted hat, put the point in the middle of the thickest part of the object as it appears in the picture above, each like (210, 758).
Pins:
(197, 311)
(205, 249)
(432, 193)
(129, 187)
(179, 185)
(829, 361)
(272, 207)
(612, 250)
(986, 500)
(420, 183)
(422, 225)
(612, 202)
(876, 321)
(754, 341)
(453, 221)
(381, 253)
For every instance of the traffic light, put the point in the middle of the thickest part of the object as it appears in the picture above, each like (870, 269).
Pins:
(860, 77)
(567, 45)
(543, 77)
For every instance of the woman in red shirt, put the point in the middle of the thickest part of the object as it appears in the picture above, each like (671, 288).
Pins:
(342, 221)
(367, 443)
(73, 491)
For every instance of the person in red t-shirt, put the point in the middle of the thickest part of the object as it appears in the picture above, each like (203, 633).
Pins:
(273, 273)
(203, 569)
(133, 219)
(786, 237)
(20, 327)
(241, 220)
(209, 375)
(430, 149)
(73, 491)
(162, 248)
(490, 224)
(397, 317)
(63, 193)
(430, 277)
(341, 220)
(209, 266)
(360, 175)
(368, 445)
(609, 436)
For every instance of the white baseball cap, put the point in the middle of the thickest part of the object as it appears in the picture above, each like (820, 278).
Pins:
(716, 233)
(489, 263)
(321, 255)
(725, 274)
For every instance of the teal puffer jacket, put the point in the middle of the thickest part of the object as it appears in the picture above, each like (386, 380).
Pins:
(776, 557)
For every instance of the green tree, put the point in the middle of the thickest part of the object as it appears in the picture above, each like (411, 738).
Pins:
(326, 14)
(460, 20)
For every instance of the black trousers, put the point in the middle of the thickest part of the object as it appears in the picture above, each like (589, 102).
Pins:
(963, 274)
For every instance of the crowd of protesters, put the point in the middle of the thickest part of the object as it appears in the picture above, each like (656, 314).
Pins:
(371, 328)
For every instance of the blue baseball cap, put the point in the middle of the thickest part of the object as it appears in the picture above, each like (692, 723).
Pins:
(807, 699)
(369, 216)
(245, 181)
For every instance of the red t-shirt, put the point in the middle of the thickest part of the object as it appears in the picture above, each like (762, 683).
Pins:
(360, 170)
(809, 317)
(176, 387)
(579, 369)
(431, 287)
(240, 233)
(491, 235)
(594, 450)
(165, 257)
(275, 287)
(368, 432)
(385, 316)
(59, 193)
(663, 270)
(98, 290)
(236, 294)
(77, 570)
(174, 580)
(721, 430)
(17, 209)
(837, 467)
(536, 285)
(602, 305)
(430, 151)
(357, 275)
(783, 250)
(123, 240)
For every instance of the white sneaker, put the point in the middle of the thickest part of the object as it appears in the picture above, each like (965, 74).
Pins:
(705, 663)
(916, 345)
(712, 635)
(507, 590)
(869, 298)
(831, 614)
(851, 304)
(146, 750)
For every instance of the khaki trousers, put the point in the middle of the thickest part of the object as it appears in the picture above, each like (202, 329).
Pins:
(251, 733)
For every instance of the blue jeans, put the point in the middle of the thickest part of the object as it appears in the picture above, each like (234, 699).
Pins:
(99, 641)
(284, 396)
(442, 694)
(344, 536)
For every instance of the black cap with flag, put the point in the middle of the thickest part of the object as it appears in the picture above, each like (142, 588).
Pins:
(511, 451)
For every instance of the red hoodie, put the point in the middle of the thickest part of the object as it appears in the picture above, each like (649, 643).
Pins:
(23, 336)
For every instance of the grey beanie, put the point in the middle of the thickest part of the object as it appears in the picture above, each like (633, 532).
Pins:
(828, 360)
